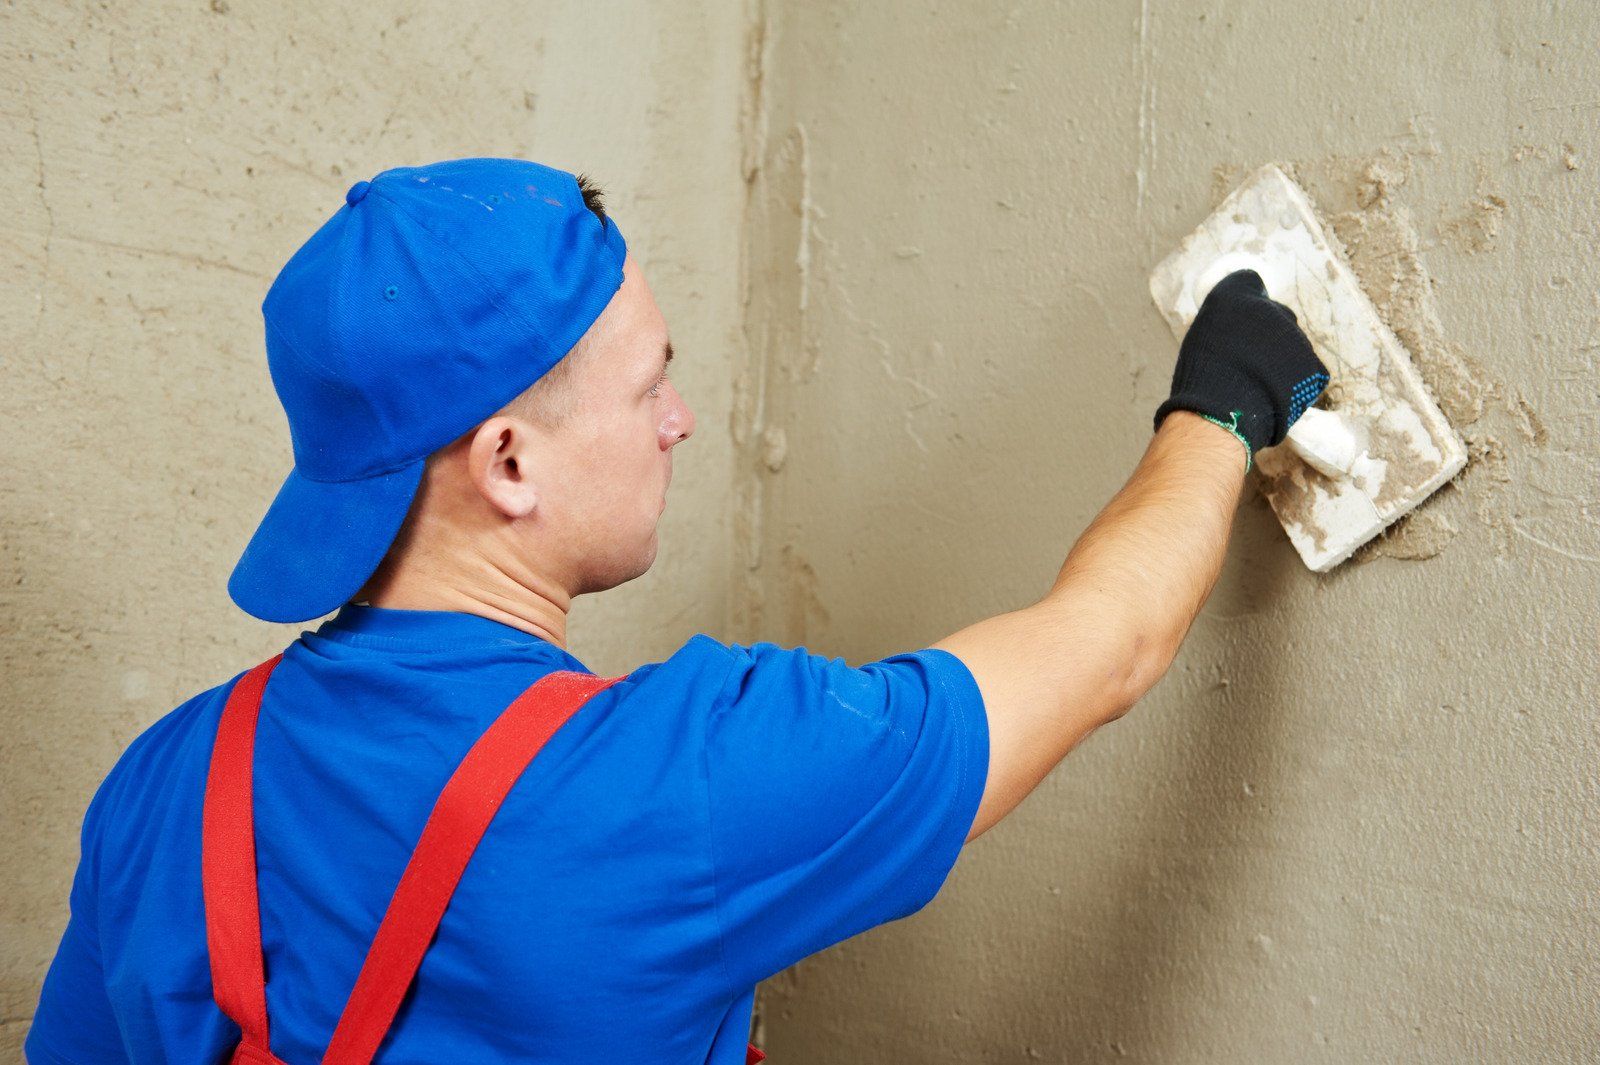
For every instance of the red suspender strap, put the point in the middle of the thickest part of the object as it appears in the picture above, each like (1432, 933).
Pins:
(228, 863)
(465, 807)
(459, 819)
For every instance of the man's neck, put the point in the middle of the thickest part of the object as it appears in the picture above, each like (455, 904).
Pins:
(523, 605)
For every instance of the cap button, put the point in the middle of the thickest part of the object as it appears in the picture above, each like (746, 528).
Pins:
(357, 191)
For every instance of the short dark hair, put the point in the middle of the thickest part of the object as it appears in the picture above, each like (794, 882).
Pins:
(592, 196)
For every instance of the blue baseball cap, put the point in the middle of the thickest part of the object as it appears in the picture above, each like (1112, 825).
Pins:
(430, 300)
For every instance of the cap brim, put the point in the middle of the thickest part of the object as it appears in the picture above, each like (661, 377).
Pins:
(319, 543)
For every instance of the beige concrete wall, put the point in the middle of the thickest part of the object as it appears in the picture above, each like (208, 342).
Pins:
(1358, 820)
(158, 163)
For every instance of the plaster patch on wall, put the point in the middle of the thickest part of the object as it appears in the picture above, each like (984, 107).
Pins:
(1379, 177)
(744, 419)
(1529, 423)
(1475, 226)
(1382, 243)
(753, 108)
(808, 614)
(1225, 177)
(759, 447)
(777, 273)
(1383, 248)
(1406, 447)
(1420, 535)
(774, 448)
(808, 213)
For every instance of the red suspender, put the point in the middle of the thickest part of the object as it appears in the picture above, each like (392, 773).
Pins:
(459, 818)
(228, 863)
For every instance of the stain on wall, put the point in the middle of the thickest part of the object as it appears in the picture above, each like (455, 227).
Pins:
(1358, 819)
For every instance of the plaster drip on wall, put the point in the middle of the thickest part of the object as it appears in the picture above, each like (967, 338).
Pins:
(747, 415)
(1147, 108)
(808, 616)
(753, 109)
(802, 253)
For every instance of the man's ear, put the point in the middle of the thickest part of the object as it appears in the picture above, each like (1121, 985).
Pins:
(500, 463)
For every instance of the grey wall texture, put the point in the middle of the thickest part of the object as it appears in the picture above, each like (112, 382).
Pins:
(902, 248)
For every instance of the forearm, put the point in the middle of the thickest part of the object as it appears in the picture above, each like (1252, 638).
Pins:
(1145, 565)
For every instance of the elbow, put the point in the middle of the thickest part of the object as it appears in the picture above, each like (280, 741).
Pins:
(1147, 661)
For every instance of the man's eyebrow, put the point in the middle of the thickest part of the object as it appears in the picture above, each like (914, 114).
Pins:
(667, 351)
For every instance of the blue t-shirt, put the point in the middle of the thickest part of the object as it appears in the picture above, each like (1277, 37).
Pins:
(694, 829)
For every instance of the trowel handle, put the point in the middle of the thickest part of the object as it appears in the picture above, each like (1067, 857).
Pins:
(1326, 441)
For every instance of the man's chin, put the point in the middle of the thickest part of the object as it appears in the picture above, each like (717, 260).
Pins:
(623, 573)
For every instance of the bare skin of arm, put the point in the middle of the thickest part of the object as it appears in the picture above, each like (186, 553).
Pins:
(1053, 672)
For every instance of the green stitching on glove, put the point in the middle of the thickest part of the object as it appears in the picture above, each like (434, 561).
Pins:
(1233, 428)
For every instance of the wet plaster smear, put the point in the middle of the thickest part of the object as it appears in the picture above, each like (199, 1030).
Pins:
(1398, 448)
(903, 248)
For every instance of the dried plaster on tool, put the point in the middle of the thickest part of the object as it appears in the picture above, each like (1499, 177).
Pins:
(1377, 444)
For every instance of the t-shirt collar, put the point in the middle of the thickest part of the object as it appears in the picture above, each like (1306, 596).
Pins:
(363, 625)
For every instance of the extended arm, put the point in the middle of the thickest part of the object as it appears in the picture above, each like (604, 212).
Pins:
(1053, 672)
(1109, 627)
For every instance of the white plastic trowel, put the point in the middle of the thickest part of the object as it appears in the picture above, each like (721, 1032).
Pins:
(1376, 445)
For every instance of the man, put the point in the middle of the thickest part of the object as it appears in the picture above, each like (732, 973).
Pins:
(475, 376)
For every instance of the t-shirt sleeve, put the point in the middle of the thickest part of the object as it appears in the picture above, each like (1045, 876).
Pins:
(74, 1024)
(840, 796)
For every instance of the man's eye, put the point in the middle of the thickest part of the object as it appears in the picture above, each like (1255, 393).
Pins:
(656, 389)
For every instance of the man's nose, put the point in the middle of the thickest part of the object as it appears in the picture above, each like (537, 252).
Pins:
(679, 423)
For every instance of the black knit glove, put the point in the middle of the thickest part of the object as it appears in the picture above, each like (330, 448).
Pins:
(1245, 365)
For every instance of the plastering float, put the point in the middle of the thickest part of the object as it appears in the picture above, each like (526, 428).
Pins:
(1376, 445)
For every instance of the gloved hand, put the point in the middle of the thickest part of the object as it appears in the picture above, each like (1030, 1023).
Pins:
(1246, 365)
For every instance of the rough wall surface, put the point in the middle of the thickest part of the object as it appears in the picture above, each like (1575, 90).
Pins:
(1358, 821)
(903, 250)
(160, 161)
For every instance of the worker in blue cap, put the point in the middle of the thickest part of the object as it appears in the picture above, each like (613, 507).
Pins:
(425, 832)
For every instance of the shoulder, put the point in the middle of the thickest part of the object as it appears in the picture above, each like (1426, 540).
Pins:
(160, 760)
(709, 671)
(718, 676)
(699, 669)
(765, 662)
